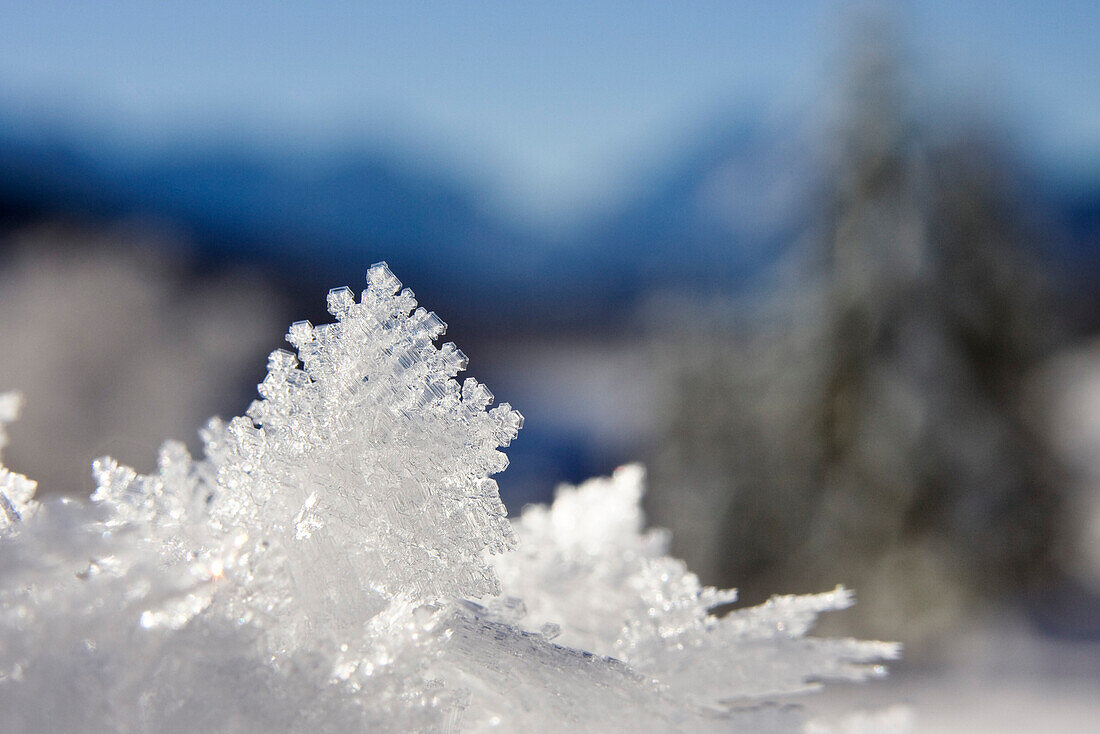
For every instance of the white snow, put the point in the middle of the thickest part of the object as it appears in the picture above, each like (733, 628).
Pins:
(339, 560)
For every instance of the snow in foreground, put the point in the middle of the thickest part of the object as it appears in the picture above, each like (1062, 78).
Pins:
(339, 560)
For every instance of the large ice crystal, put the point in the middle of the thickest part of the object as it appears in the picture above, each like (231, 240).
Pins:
(339, 560)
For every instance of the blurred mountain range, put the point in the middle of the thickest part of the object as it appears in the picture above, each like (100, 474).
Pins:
(712, 215)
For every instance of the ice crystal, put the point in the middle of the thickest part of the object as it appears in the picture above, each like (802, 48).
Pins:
(16, 491)
(339, 560)
(587, 568)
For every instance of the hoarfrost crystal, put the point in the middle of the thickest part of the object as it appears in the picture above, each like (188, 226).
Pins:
(340, 560)
(16, 491)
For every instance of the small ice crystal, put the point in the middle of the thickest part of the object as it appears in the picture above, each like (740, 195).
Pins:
(339, 560)
(16, 491)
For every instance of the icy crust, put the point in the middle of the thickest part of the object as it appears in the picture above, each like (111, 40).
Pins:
(339, 561)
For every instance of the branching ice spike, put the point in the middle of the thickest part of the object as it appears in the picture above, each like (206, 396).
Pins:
(372, 439)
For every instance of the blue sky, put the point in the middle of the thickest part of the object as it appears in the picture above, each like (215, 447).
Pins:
(550, 103)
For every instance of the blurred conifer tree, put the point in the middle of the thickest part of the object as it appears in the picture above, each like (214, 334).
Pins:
(867, 426)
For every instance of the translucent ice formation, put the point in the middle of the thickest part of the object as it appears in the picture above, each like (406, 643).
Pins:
(339, 561)
(586, 566)
(16, 491)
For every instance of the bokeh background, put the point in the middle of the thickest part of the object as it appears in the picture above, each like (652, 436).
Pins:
(832, 270)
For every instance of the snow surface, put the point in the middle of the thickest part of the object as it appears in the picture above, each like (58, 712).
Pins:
(339, 560)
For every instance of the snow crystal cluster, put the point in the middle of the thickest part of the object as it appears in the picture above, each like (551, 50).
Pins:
(339, 560)
(16, 491)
